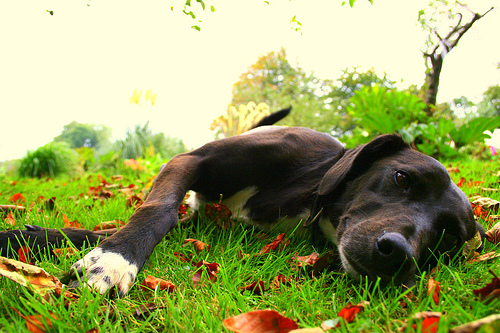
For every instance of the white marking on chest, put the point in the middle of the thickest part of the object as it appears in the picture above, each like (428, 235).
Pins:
(328, 230)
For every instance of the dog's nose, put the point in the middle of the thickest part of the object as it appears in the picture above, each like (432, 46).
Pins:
(392, 250)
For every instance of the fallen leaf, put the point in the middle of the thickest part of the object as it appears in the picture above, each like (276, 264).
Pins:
(17, 197)
(9, 208)
(67, 252)
(220, 215)
(490, 290)
(10, 219)
(38, 323)
(280, 280)
(346, 314)
(211, 270)
(300, 261)
(256, 288)
(134, 201)
(274, 244)
(483, 257)
(152, 283)
(25, 256)
(433, 288)
(326, 261)
(145, 310)
(73, 224)
(471, 245)
(486, 324)
(493, 235)
(263, 321)
(198, 245)
(109, 225)
(429, 322)
(488, 204)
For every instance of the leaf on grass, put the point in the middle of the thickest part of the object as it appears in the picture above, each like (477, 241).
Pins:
(220, 215)
(280, 280)
(256, 288)
(433, 289)
(145, 310)
(151, 283)
(198, 245)
(347, 315)
(71, 224)
(134, 201)
(429, 322)
(483, 257)
(9, 208)
(493, 235)
(486, 324)
(10, 219)
(471, 245)
(268, 321)
(326, 261)
(300, 261)
(211, 270)
(25, 255)
(17, 197)
(490, 291)
(38, 323)
(274, 244)
(109, 225)
(182, 257)
(487, 204)
(29, 276)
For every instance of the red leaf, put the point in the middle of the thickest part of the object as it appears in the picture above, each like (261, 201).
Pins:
(69, 224)
(134, 201)
(25, 256)
(152, 282)
(210, 268)
(268, 321)
(279, 280)
(182, 257)
(299, 261)
(489, 288)
(257, 288)
(429, 322)
(220, 215)
(350, 311)
(10, 219)
(198, 245)
(433, 288)
(17, 197)
(273, 245)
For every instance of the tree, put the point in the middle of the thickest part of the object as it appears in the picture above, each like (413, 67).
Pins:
(274, 81)
(490, 105)
(239, 120)
(84, 135)
(456, 19)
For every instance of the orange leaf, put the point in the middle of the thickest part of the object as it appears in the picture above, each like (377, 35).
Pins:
(65, 253)
(433, 288)
(429, 322)
(279, 280)
(108, 225)
(152, 282)
(17, 197)
(198, 245)
(10, 219)
(299, 261)
(25, 256)
(69, 224)
(268, 321)
(350, 311)
(273, 245)
(37, 323)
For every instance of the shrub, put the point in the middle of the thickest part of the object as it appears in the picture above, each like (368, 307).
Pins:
(51, 160)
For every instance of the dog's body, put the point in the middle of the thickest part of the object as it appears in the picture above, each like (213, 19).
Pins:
(385, 205)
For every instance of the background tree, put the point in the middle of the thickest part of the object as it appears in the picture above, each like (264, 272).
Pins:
(490, 105)
(446, 23)
(238, 120)
(274, 81)
(84, 135)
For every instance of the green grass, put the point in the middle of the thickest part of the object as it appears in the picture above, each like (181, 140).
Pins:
(309, 301)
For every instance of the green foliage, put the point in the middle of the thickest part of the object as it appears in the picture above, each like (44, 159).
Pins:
(239, 120)
(84, 135)
(378, 110)
(51, 160)
(141, 142)
(490, 105)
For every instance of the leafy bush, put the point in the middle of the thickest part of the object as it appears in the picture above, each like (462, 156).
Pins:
(51, 160)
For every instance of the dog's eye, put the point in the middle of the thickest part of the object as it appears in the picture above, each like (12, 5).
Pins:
(402, 179)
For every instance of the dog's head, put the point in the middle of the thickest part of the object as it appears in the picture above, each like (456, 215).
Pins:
(394, 209)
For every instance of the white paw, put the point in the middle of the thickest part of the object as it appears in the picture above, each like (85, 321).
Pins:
(104, 270)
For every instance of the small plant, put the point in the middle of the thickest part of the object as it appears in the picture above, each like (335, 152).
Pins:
(51, 160)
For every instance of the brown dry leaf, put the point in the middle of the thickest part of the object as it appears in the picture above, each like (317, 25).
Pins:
(493, 235)
(198, 245)
(325, 262)
(300, 261)
(145, 310)
(471, 245)
(109, 225)
(257, 288)
(490, 291)
(73, 224)
(487, 324)
(9, 208)
(262, 321)
(29, 276)
(67, 252)
(210, 268)
(274, 244)
(486, 203)
(483, 257)
(152, 282)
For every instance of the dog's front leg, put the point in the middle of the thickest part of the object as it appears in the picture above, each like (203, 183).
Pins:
(118, 259)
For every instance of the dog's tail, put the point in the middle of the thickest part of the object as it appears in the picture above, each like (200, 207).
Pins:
(273, 118)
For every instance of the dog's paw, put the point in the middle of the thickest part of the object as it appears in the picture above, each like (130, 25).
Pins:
(102, 270)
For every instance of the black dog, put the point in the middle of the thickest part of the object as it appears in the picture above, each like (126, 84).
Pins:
(387, 207)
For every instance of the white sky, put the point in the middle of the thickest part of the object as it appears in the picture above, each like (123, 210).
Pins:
(84, 62)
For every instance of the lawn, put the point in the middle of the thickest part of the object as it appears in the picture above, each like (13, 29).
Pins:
(201, 306)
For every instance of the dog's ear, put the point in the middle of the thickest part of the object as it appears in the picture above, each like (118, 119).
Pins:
(355, 162)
